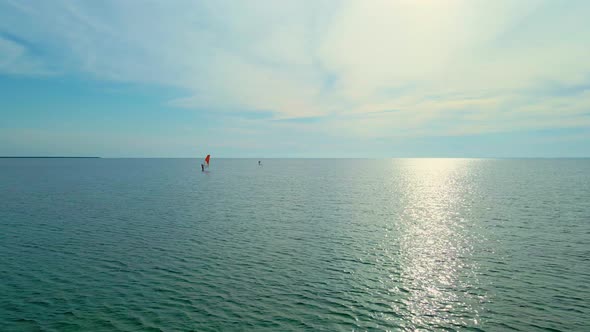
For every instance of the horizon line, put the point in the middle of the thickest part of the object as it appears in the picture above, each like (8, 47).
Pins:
(438, 157)
(17, 157)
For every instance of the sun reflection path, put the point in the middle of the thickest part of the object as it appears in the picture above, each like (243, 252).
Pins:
(437, 273)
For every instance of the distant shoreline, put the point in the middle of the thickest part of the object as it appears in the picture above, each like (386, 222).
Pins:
(62, 157)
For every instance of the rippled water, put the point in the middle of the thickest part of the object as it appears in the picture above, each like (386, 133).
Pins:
(154, 244)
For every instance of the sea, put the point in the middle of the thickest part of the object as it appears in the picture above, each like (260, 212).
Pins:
(295, 245)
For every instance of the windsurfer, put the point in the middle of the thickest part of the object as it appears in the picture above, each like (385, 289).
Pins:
(202, 168)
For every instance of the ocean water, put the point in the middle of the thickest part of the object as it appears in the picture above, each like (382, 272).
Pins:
(297, 244)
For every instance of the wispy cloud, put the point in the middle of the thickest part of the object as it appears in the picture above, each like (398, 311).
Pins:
(368, 69)
(16, 58)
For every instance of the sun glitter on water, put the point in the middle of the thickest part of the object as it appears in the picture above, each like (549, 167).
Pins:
(434, 248)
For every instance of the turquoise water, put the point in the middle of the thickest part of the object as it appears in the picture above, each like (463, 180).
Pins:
(299, 244)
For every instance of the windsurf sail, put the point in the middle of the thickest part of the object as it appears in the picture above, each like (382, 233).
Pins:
(207, 161)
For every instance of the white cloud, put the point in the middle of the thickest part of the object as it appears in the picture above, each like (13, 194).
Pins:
(446, 67)
(15, 59)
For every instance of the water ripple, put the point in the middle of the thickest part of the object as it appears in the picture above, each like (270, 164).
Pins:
(152, 245)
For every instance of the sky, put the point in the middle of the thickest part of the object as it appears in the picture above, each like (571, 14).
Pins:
(267, 78)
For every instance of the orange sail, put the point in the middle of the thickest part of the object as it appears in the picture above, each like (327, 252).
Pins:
(207, 159)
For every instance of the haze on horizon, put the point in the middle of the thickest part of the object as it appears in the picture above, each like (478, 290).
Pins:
(422, 78)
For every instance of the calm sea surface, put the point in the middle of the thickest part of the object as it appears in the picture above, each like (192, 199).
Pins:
(297, 244)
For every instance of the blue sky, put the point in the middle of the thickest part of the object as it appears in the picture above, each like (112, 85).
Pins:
(407, 78)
